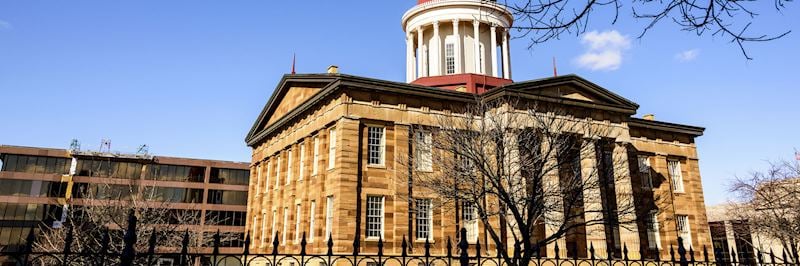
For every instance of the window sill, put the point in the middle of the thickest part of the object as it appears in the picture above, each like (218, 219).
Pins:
(377, 166)
(425, 170)
(422, 240)
(372, 239)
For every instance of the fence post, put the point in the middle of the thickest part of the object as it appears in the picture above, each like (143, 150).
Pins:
(184, 260)
(557, 253)
(380, 250)
(682, 252)
(478, 252)
(449, 252)
(215, 251)
(151, 247)
(705, 254)
(68, 243)
(129, 241)
(463, 257)
(591, 252)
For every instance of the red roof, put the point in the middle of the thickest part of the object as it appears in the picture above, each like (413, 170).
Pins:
(472, 83)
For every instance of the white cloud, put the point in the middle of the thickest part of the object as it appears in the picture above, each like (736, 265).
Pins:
(603, 50)
(4, 25)
(687, 55)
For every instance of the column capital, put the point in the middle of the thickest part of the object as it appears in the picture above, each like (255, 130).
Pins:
(410, 35)
(436, 23)
(419, 28)
(476, 22)
(456, 21)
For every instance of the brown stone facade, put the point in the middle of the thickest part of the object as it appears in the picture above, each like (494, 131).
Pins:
(41, 181)
(334, 121)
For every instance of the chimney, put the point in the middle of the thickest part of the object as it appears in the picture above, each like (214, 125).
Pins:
(333, 69)
(650, 117)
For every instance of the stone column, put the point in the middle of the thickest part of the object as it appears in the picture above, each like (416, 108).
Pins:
(592, 200)
(628, 232)
(552, 189)
(506, 59)
(421, 58)
(435, 60)
(476, 26)
(457, 53)
(493, 46)
(410, 58)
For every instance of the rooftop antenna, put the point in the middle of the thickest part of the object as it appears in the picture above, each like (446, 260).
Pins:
(555, 70)
(294, 57)
(143, 150)
(105, 145)
(75, 145)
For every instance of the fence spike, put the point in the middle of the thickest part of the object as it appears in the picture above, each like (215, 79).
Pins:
(427, 248)
(380, 246)
(217, 243)
(478, 249)
(705, 254)
(516, 251)
(330, 245)
(625, 251)
(404, 246)
(356, 245)
(672, 253)
(275, 243)
(449, 248)
(760, 257)
(771, 256)
(733, 255)
(591, 250)
(129, 241)
(246, 250)
(29, 240)
(538, 251)
(463, 256)
(556, 250)
(681, 251)
(691, 254)
(184, 248)
(303, 244)
(151, 246)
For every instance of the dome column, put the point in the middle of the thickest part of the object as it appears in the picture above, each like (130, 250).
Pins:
(493, 46)
(436, 52)
(410, 58)
(421, 58)
(476, 26)
(457, 53)
(506, 59)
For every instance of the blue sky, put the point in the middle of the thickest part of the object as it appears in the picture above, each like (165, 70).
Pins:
(188, 78)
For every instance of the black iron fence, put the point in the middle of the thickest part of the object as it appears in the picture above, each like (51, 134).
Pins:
(458, 255)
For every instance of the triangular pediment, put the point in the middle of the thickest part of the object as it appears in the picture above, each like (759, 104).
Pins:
(572, 88)
(291, 92)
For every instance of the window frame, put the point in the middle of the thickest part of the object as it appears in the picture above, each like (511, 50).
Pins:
(645, 171)
(375, 217)
(315, 161)
(676, 175)
(312, 209)
(450, 55)
(684, 228)
(653, 230)
(329, 212)
(381, 146)
(332, 148)
(423, 220)
(423, 137)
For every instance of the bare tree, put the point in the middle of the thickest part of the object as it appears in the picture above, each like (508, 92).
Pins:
(531, 174)
(97, 224)
(543, 20)
(769, 202)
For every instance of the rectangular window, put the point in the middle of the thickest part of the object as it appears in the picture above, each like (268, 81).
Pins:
(328, 217)
(285, 224)
(469, 215)
(258, 179)
(424, 219)
(674, 167)
(374, 216)
(297, 224)
(653, 235)
(263, 229)
(312, 211)
(302, 171)
(684, 230)
(424, 151)
(375, 145)
(450, 58)
(332, 149)
(266, 176)
(278, 171)
(315, 162)
(644, 171)
(289, 160)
